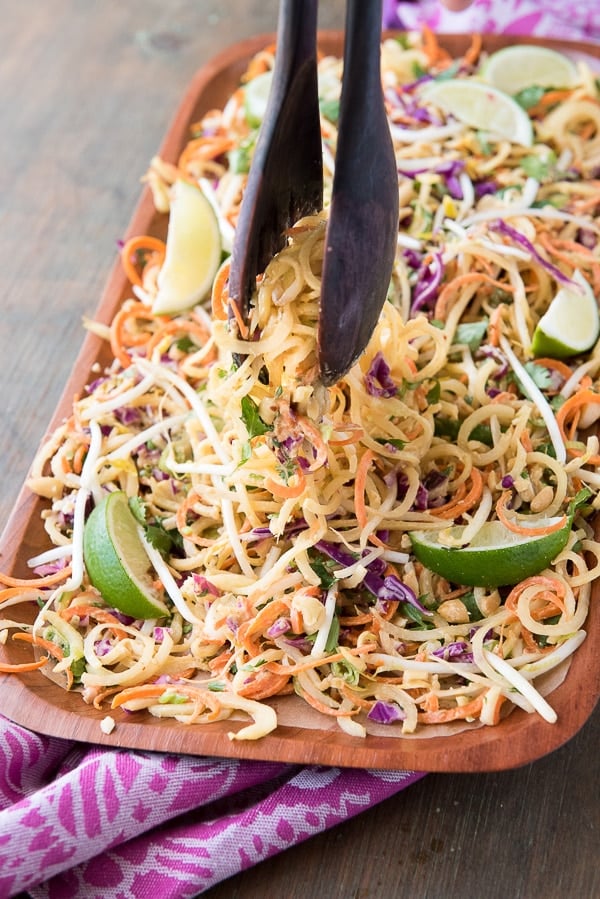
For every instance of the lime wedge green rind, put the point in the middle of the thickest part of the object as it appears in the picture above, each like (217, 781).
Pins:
(496, 557)
(482, 106)
(515, 68)
(116, 561)
(571, 325)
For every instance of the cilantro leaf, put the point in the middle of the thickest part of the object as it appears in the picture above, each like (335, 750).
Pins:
(530, 96)
(538, 167)
(539, 374)
(471, 333)
(330, 109)
(254, 423)
(163, 540)
(334, 635)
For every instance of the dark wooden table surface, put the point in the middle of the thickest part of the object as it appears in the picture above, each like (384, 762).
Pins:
(87, 90)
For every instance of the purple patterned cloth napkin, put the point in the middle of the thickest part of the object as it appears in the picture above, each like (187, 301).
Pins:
(91, 823)
(550, 18)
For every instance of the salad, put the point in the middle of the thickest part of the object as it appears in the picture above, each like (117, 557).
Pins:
(412, 547)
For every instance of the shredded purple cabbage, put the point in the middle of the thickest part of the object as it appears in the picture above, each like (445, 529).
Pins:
(122, 617)
(203, 585)
(385, 712)
(279, 627)
(403, 99)
(378, 381)
(524, 242)
(429, 278)
(50, 567)
(161, 632)
(491, 352)
(128, 415)
(233, 624)
(485, 187)
(394, 590)
(454, 652)
(413, 258)
(300, 643)
(507, 481)
(587, 238)
(385, 588)
(159, 475)
(423, 500)
(102, 647)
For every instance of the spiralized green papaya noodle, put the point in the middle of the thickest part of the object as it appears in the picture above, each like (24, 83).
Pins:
(283, 523)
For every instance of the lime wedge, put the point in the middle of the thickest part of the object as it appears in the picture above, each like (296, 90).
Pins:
(571, 324)
(193, 251)
(116, 561)
(495, 557)
(525, 65)
(482, 106)
(256, 95)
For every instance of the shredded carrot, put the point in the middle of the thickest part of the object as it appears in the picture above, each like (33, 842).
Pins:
(239, 318)
(327, 710)
(122, 337)
(199, 332)
(219, 297)
(554, 365)
(430, 702)
(13, 592)
(310, 663)
(7, 668)
(48, 581)
(565, 250)
(315, 438)
(79, 457)
(151, 691)
(181, 521)
(441, 305)
(436, 55)
(360, 483)
(204, 149)
(525, 530)
(259, 63)
(52, 649)
(570, 412)
(218, 663)
(84, 610)
(531, 643)
(472, 54)
(134, 246)
(287, 491)
(550, 98)
(458, 505)
(499, 702)
(355, 435)
(443, 716)
(526, 442)
(552, 596)
(263, 683)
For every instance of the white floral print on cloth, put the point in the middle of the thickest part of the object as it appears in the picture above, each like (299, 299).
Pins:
(91, 823)
(542, 18)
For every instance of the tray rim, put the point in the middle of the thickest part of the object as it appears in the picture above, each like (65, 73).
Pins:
(30, 699)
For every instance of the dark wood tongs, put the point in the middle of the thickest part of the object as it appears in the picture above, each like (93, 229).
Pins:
(285, 181)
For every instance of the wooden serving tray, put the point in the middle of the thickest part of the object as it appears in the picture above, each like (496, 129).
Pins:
(37, 703)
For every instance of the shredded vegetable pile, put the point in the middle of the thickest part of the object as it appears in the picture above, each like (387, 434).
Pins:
(278, 515)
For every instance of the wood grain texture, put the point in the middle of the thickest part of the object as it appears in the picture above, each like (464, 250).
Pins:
(87, 91)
